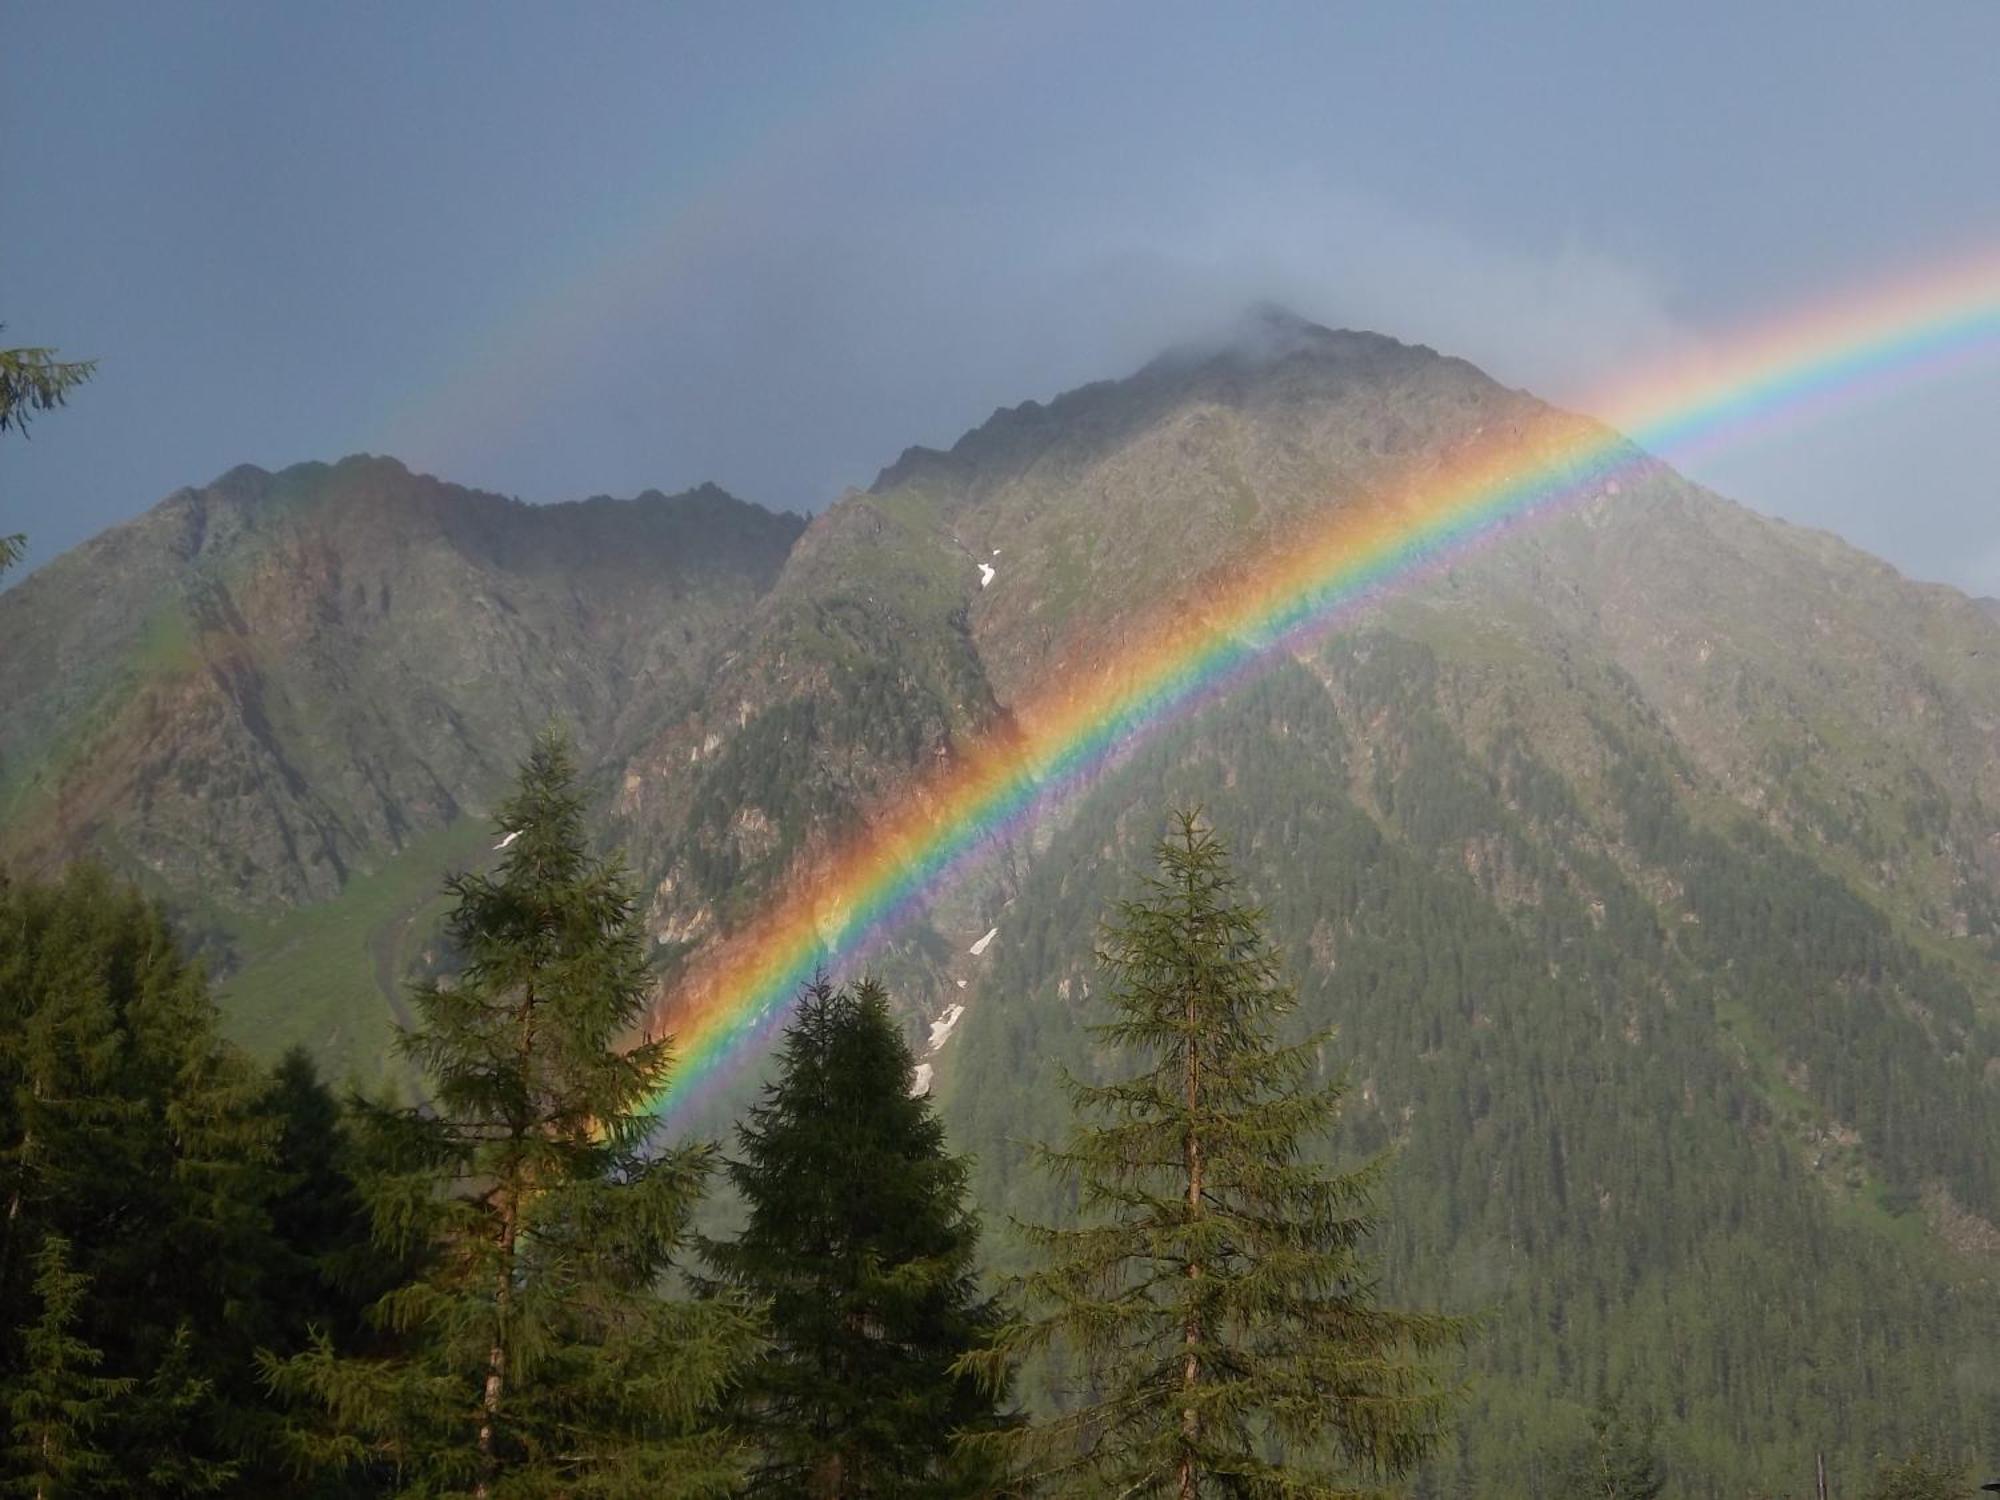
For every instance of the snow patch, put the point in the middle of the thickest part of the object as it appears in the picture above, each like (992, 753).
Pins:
(507, 840)
(985, 574)
(920, 1081)
(1996, 839)
(980, 946)
(941, 1028)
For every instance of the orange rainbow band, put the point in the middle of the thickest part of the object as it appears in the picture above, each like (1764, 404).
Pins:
(841, 907)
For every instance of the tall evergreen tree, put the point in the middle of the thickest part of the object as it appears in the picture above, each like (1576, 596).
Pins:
(1919, 1477)
(1617, 1461)
(327, 1270)
(130, 1130)
(1216, 1292)
(59, 1401)
(33, 380)
(860, 1239)
(538, 1356)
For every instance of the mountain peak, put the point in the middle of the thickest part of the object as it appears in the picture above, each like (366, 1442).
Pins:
(1267, 333)
(1277, 325)
(1264, 348)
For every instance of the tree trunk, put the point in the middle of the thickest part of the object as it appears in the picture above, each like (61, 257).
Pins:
(20, 1187)
(503, 1292)
(496, 1356)
(1191, 1329)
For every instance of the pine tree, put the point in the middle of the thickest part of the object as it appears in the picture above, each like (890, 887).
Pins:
(33, 380)
(327, 1270)
(1616, 1461)
(1216, 1294)
(129, 1129)
(860, 1240)
(172, 1402)
(59, 1402)
(1919, 1477)
(537, 1355)
(70, 1125)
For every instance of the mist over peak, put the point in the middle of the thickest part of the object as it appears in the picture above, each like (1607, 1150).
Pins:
(1267, 332)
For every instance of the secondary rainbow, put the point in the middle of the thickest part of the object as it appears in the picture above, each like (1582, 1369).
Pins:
(1248, 610)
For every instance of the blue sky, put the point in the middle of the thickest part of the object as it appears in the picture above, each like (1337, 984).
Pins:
(557, 251)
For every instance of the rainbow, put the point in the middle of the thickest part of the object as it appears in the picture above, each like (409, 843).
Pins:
(1249, 611)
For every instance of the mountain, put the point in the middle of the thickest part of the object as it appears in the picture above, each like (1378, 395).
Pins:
(1647, 863)
(1648, 860)
(260, 694)
(1991, 606)
(880, 649)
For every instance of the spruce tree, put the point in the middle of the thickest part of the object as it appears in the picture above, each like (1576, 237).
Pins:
(1919, 1477)
(59, 1401)
(327, 1270)
(537, 1354)
(131, 1131)
(1616, 1461)
(33, 380)
(860, 1240)
(1215, 1293)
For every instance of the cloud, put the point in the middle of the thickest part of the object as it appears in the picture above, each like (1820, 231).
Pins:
(1981, 573)
(818, 326)
(1558, 318)
(821, 326)
(1906, 475)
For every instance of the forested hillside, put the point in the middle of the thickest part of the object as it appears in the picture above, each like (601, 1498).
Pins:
(1630, 1089)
